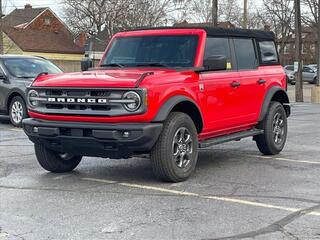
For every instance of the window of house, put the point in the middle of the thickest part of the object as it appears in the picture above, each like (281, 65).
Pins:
(47, 21)
(218, 47)
(268, 52)
(286, 49)
(245, 53)
(304, 49)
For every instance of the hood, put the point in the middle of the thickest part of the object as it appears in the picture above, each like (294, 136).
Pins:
(95, 79)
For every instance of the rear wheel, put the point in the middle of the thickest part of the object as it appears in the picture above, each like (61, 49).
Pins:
(275, 127)
(17, 111)
(54, 161)
(175, 154)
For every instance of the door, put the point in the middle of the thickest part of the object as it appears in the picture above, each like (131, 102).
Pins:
(252, 88)
(221, 111)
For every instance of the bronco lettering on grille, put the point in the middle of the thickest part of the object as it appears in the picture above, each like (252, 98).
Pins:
(77, 100)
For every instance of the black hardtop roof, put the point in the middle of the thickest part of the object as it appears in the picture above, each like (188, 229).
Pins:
(222, 32)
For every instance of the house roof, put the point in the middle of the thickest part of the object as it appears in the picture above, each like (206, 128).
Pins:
(21, 16)
(40, 41)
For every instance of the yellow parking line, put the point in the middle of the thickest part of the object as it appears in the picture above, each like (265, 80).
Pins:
(286, 159)
(190, 194)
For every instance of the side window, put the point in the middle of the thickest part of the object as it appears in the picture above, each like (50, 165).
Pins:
(307, 69)
(218, 47)
(268, 52)
(245, 53)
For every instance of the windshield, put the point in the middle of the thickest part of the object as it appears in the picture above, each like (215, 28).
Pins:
(160, 51)
(29, 67)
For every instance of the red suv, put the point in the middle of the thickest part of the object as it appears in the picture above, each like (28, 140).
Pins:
(164, 91)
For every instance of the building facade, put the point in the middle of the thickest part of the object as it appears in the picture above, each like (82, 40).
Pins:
(40, 32)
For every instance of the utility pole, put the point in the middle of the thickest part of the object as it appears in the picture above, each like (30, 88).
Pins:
(245, 14)
(315, 91)
(214, 13)
(298, 44)
(1, 35)
(318, 42)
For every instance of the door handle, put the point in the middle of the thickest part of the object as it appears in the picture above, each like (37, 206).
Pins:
(235, 84)
(262, 81)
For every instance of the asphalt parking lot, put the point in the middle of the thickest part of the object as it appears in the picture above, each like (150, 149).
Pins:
(235, 193)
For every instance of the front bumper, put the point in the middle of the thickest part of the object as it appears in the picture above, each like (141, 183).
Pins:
(94, 139)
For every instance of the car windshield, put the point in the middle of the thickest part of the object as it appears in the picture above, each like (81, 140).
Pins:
(153, 51)
(29, 67)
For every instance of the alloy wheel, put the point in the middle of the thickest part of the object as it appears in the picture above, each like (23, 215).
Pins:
(17, 112)
(182, 148)
(278, 128)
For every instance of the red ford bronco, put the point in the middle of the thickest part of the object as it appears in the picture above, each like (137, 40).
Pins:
(163, 91)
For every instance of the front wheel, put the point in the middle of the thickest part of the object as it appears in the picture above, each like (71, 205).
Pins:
(17, 111)
(275, 127)
(175, 154)
(54, 161)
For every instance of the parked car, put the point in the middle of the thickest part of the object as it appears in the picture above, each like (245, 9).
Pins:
(313, 66)
(309, 74)
(167, 92)
(16, 73)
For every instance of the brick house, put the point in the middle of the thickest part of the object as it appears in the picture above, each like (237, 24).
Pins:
(309, 43)
(40, 32)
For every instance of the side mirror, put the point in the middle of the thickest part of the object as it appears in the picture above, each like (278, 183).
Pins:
(86, 63)
(215, 63)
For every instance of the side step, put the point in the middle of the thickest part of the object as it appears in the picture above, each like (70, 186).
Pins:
(230, 137)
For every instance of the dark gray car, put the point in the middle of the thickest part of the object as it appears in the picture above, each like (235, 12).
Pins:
(16, 73)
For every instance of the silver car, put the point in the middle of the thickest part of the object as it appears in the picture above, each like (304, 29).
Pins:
(309, 74)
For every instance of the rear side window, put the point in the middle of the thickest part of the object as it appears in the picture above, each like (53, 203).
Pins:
(245, 54)
(268, 52)
(217, 47)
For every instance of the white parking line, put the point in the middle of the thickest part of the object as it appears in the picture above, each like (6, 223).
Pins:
(285, 159)
(190, 194)
(15, 129)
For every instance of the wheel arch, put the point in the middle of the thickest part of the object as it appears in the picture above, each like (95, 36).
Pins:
(275, 94)
(12, 94)
(181, 104)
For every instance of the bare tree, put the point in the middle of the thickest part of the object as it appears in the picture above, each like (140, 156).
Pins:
(279, 15)
(116, 15)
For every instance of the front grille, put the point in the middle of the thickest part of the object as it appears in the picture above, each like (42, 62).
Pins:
(83, 102)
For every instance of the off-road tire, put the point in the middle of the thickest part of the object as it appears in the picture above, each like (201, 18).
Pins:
(53, 161)
(164, 164)
(17, 104)
(266, 142)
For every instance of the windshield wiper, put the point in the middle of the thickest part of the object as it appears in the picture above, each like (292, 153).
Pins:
(112, 65)
(153, 65)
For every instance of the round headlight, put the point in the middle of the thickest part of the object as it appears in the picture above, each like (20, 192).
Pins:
(134, 101)
(32, 98)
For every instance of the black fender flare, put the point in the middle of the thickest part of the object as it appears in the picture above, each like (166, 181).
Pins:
(167, 107)
(267, 100)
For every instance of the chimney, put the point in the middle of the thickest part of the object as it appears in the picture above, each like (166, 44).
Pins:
(82, 38)
(27, 6)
